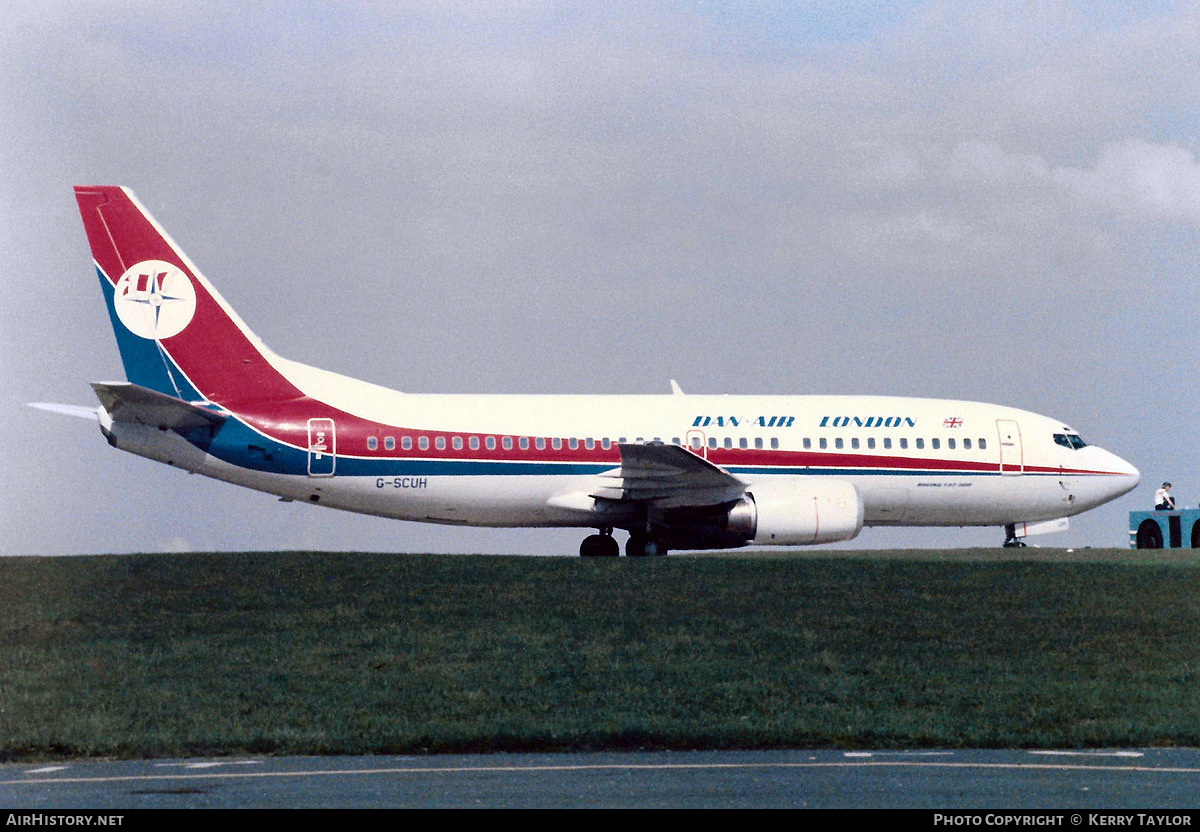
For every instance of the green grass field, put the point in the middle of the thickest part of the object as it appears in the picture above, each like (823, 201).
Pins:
(320, 653)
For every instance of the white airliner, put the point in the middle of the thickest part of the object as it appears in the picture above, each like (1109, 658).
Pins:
(675, 471)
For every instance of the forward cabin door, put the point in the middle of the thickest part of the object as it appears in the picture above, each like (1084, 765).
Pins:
(1012, 456)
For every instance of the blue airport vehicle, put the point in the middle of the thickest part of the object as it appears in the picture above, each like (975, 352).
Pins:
(1165, 529)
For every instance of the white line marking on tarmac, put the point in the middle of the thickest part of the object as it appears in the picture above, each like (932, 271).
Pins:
(45, 770)
(1089, 753)
(866, 754)
(210, 764)
(627, 767)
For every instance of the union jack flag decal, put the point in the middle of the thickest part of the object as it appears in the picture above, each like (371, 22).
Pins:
(953, 422)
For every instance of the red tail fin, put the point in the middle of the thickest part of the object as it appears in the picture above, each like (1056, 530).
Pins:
(177, 335)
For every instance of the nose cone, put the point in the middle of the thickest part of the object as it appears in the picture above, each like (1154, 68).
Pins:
(1109, 477)
(1123, 477)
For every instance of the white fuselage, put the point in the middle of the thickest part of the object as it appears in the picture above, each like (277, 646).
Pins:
(914, 462)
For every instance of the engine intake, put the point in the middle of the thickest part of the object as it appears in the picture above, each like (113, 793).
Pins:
(785, 511)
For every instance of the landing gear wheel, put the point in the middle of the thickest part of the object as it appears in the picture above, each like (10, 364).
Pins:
(1010, 538)
(599, 546)
(645, 546)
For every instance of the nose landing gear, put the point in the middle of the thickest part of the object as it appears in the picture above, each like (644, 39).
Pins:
(1011, 541)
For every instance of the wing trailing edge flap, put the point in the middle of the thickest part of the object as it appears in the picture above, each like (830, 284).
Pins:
(127, 402)
(667, 476)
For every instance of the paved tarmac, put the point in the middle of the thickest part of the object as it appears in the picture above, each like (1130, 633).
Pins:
(1147, 779)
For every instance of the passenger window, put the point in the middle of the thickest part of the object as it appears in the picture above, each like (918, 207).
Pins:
(743, 443)
(556, 444)
(456, 442)
(406, 443)
(775, 442)
(390, 443)
(524, 443)
(920, 444)
(824, 443)
(490, 443)
(887, 443)
(904, 442)
(423, 443)
(807, 443)
(440, 443)
(758, 443)
(871, 443)
(372, 443)
(854, 443)
(837, 443)
(937, 443)
(967, 444)
(950, 444)
(540, 443)
(983, 444)
(474, 443)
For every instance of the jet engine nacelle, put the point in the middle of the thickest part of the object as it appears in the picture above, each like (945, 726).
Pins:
(786, 511)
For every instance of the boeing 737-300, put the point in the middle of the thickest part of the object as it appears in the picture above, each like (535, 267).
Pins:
(675, 471)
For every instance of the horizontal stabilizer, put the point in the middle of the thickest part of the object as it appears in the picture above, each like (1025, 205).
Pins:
(78, 411)
(130, 403)
(669, 476)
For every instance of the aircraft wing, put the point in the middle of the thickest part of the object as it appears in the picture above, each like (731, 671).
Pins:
(668, 476)
(130, 403)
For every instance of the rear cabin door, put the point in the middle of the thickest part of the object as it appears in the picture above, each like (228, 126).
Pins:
(322, 446)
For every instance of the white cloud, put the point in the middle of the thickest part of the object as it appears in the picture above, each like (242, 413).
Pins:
(1140, 180)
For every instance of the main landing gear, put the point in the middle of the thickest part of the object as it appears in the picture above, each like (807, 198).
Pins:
(1011, 541)
(645, 546)
(604, 545)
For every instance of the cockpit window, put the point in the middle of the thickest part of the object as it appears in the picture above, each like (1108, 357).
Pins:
(1070, 440)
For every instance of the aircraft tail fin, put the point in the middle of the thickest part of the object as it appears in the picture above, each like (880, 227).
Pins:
(176, 334)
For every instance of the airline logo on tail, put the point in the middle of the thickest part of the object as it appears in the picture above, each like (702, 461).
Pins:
(155, 300)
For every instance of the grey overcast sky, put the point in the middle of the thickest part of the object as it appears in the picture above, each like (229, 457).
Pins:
(987, 200)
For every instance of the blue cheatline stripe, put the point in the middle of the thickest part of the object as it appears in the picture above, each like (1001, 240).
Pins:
(238, 444)
(848, 472)
(144, 361)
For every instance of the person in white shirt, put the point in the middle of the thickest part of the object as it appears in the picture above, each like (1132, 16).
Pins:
(1163, 501)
